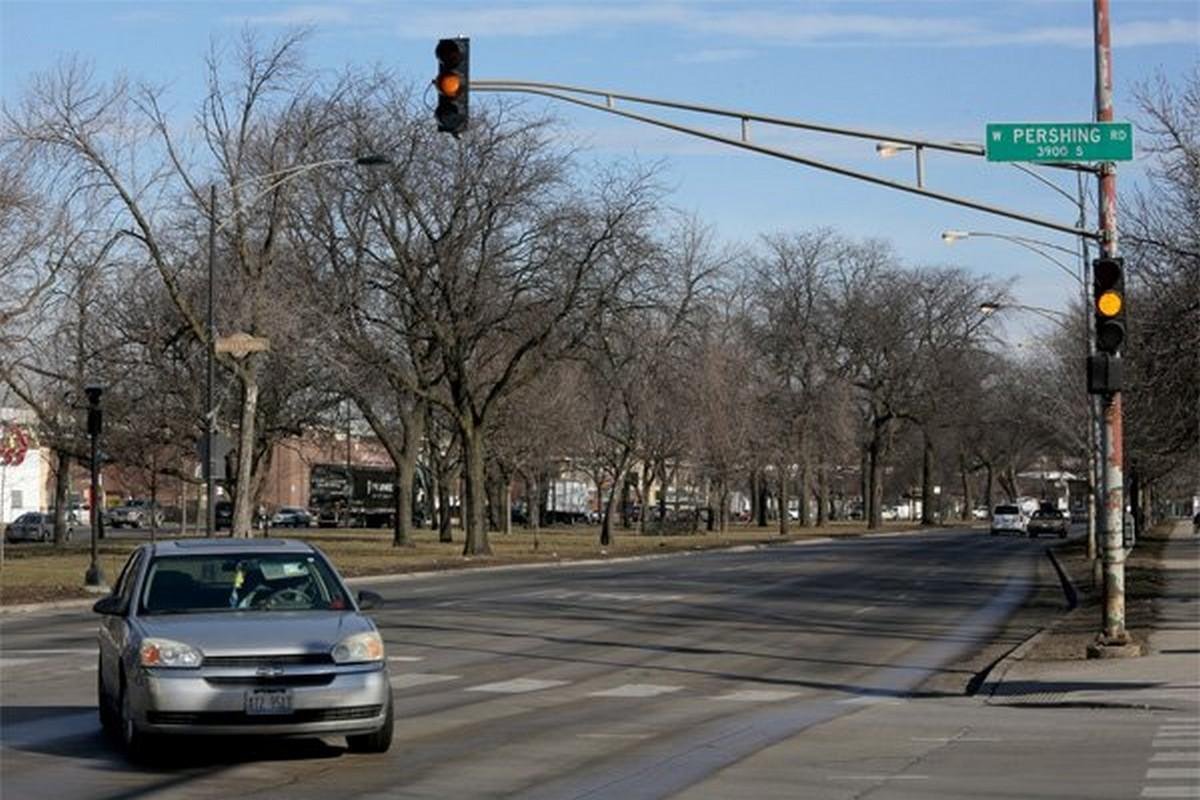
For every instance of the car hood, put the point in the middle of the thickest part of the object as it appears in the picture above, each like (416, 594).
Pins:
(257, 632)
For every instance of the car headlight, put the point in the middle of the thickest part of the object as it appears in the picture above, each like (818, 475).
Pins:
(168, 653)
(360, 647)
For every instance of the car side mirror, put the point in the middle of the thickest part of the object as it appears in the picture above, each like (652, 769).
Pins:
(109, 605)
(367, 600)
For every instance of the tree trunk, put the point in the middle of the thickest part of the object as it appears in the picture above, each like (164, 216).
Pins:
(401, 498)
(822, 493)
(606, 520)
(968, 500)
(62, 491)
(762, 500)
(445, 520)
(989, 487)
(865, 487)
(243, 505)
(476, 543)
(784, 515)
(802, 490)
(754, 496)
(875, 515)
(927, 515)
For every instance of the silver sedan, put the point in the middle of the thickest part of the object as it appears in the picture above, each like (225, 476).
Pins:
(224, 637)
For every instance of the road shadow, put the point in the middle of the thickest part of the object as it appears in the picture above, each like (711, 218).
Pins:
(75, 732)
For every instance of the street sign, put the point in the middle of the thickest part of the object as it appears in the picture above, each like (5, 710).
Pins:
(1059, 141)
(240, 344)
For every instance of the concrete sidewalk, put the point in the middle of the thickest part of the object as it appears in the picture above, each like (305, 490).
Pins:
(1167, 676)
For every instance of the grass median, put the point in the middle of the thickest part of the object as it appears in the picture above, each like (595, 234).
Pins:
(33, 573)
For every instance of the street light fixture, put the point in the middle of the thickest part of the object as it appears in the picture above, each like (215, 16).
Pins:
(1057, 317)
(889, 149)
(1033, 245)
(282, 176)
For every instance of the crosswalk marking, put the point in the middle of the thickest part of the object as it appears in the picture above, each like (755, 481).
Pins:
(406, 658)
(636, 690)
(1173, 773)
(757, 696)
(406, 680)
(1177, 755)
(1193, 741)
(1171, 791)
(516, 686)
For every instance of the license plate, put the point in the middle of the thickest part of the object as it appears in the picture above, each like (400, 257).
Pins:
(260, 702)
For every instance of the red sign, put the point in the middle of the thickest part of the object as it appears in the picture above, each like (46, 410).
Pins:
(14, 444)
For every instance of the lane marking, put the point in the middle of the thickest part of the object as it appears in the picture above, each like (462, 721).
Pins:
(406, 658)
(1194, 741)
(870, 699)
(612, 735)
(1167, 730)
(955, 739)
(1173, 773)
(636, 690)
(1171, 791)
(60, 652)
(756, 696)
(878, 777)
(516, 686)
(405, 680)
(863, 610)
(1177, 755)
(16, 662)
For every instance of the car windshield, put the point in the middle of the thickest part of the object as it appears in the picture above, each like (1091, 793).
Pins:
(252, 581)
(1007, 510)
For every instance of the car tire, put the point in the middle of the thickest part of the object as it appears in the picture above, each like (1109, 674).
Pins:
(104, 703)
(1032, 535)
(377, 741)
(138, 746)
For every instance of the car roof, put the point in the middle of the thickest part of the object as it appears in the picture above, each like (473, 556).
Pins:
(226, 546)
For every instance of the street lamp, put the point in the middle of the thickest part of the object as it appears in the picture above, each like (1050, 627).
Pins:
(93, 579)
(282, 176)
(1057, 317)
(889, 149)
(1033, 245)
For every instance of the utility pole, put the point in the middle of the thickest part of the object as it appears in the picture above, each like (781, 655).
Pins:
(1113, 640)
(210, 412)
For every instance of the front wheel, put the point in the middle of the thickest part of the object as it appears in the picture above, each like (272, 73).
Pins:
(108, 718)
(138, 745)
(377, 741)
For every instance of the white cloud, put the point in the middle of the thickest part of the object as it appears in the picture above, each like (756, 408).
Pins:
(302, 15)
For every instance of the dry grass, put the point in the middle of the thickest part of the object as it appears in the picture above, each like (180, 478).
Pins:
(35, 573)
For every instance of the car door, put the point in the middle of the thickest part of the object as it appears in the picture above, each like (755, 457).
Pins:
(114, 628)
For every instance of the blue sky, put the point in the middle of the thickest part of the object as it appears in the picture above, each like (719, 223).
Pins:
(940, 69)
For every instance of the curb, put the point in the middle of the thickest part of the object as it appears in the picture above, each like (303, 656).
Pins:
(999, 670)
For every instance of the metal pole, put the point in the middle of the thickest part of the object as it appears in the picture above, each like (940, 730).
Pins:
(94, 577)
(1113, 639)
(210, 413)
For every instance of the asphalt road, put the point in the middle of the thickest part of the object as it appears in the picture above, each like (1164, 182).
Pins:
(639, 679)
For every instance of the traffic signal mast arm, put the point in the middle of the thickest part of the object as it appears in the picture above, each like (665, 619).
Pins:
(568, 94)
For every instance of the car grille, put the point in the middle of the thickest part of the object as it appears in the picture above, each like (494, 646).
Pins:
(241, 718)
(320, 679)
(268, 661)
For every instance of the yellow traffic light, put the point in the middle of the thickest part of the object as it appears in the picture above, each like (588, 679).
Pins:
(1109, 304)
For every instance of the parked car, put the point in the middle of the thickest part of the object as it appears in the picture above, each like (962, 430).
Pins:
(1007, 518)
(1048, 521)
(225, 637)
(135, 514)
(35, 526)
(292, 517)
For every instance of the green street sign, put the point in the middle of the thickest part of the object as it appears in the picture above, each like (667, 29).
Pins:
(1059, 141)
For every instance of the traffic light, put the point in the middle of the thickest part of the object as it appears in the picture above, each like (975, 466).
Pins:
(452, 84)
(1108, 294)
